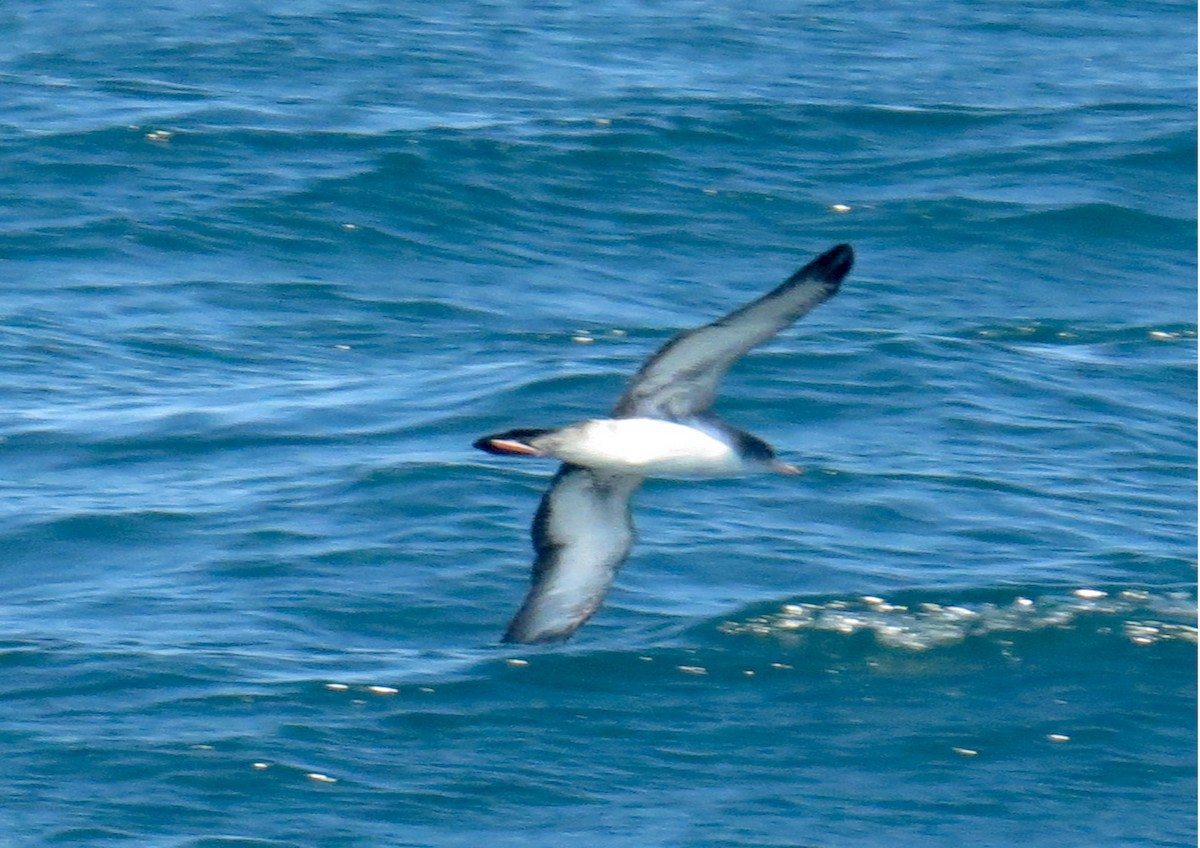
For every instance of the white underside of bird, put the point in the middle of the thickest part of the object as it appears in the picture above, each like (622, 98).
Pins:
(645, 447)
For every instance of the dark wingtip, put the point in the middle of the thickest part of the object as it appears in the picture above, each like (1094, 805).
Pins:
(832, 266)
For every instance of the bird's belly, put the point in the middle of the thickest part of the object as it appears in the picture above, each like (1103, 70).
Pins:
(649, 447)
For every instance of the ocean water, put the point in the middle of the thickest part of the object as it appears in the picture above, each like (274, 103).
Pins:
(269, 267)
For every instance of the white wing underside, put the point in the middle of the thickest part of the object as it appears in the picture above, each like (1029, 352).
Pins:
(582, 533)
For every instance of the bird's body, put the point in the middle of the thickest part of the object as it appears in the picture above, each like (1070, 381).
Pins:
(660, 427)
(643, 447)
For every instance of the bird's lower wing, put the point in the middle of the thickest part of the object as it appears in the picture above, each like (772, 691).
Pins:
(680, 380)
(582, 533)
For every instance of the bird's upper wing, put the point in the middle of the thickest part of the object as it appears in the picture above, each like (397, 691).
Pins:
(680, 379)
(582, 533)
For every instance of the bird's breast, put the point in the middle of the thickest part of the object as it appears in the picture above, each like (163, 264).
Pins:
(647, 447)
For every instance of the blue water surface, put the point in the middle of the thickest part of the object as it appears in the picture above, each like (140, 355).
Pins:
(270, 267)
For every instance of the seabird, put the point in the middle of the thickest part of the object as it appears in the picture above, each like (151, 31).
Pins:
(660, 426)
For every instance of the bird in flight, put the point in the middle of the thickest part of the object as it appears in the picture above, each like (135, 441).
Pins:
(661, 426)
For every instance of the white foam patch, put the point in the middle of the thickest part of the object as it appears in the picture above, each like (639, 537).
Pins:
(1148, 618)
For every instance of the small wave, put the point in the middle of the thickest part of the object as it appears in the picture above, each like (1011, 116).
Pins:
(1104, 222)
(1141, 618)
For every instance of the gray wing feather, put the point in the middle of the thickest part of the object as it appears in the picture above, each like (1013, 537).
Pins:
(582, 533)
(680, 380)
